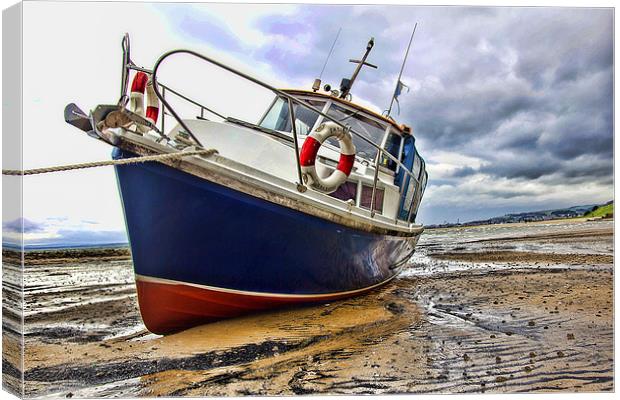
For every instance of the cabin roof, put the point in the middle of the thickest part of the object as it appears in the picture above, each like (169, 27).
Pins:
(404, 129)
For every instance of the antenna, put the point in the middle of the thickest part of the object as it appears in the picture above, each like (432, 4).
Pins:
(330, 52)
(317, 82)
(401, 72)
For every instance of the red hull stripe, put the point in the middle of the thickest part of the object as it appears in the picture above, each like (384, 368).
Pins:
(152, 113)
(139, 82)
(170, 307)
(345, 164)
(309, 150)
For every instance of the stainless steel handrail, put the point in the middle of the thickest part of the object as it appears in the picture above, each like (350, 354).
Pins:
(300, 185)
(194, 102)
(276, 91)
(163, 112)
(291, 99)
(374, 186)
(125, 72)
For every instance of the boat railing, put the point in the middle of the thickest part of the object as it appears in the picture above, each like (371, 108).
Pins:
(161, 89)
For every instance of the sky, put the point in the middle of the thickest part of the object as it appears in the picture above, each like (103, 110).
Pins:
(512, 108)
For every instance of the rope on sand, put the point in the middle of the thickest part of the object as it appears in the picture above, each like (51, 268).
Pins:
(123, 161)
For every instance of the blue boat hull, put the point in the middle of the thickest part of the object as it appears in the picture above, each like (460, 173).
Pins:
(185, 230)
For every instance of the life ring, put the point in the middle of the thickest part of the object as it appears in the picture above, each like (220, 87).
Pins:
(310, 148)
(141, 84)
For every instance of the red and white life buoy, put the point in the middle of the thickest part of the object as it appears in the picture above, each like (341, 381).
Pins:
(143, 84)
(310, 148)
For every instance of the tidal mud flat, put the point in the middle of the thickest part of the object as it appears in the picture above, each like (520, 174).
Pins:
(506, 308)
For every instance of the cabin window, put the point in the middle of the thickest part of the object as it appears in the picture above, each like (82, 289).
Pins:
(424, 182)
(278, 117)
(418, 199)
(416, 166)
(407, 203)
(392, 146)
(346, 191)
(363, 125)
(365, 200)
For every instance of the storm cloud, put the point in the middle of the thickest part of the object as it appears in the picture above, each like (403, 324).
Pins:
(512, 108)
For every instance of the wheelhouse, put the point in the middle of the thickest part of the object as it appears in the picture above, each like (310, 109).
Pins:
(398, 194)
(385, 175)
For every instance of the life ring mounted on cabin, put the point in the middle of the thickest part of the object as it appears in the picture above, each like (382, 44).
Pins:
(142, 85)
(310, 149)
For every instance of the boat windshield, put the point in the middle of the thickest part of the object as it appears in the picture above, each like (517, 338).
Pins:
(278, 119)
(363, 125)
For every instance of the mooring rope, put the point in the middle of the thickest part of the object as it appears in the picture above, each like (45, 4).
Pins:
(123, 161)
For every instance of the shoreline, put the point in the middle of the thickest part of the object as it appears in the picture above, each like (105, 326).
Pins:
(521, 224)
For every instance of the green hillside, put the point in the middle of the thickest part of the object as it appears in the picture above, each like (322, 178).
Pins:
(602, 211)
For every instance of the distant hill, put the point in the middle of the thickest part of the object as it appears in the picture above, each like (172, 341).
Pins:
(603, 211)
(590, 211)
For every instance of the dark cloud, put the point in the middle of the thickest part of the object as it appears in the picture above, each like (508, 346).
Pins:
(522, 165)
(521, 140)
(22, 225)
(595, 168)
(463, 172)
(508, 194)
(534, 166)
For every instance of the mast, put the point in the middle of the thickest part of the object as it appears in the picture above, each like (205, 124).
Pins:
(401, 71)
(347, 84)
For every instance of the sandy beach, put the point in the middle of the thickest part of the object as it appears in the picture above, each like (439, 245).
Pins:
(506, 308)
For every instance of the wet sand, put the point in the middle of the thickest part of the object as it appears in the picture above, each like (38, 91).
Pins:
(512, 308)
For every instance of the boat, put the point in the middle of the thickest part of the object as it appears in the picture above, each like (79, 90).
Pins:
(314, 202)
